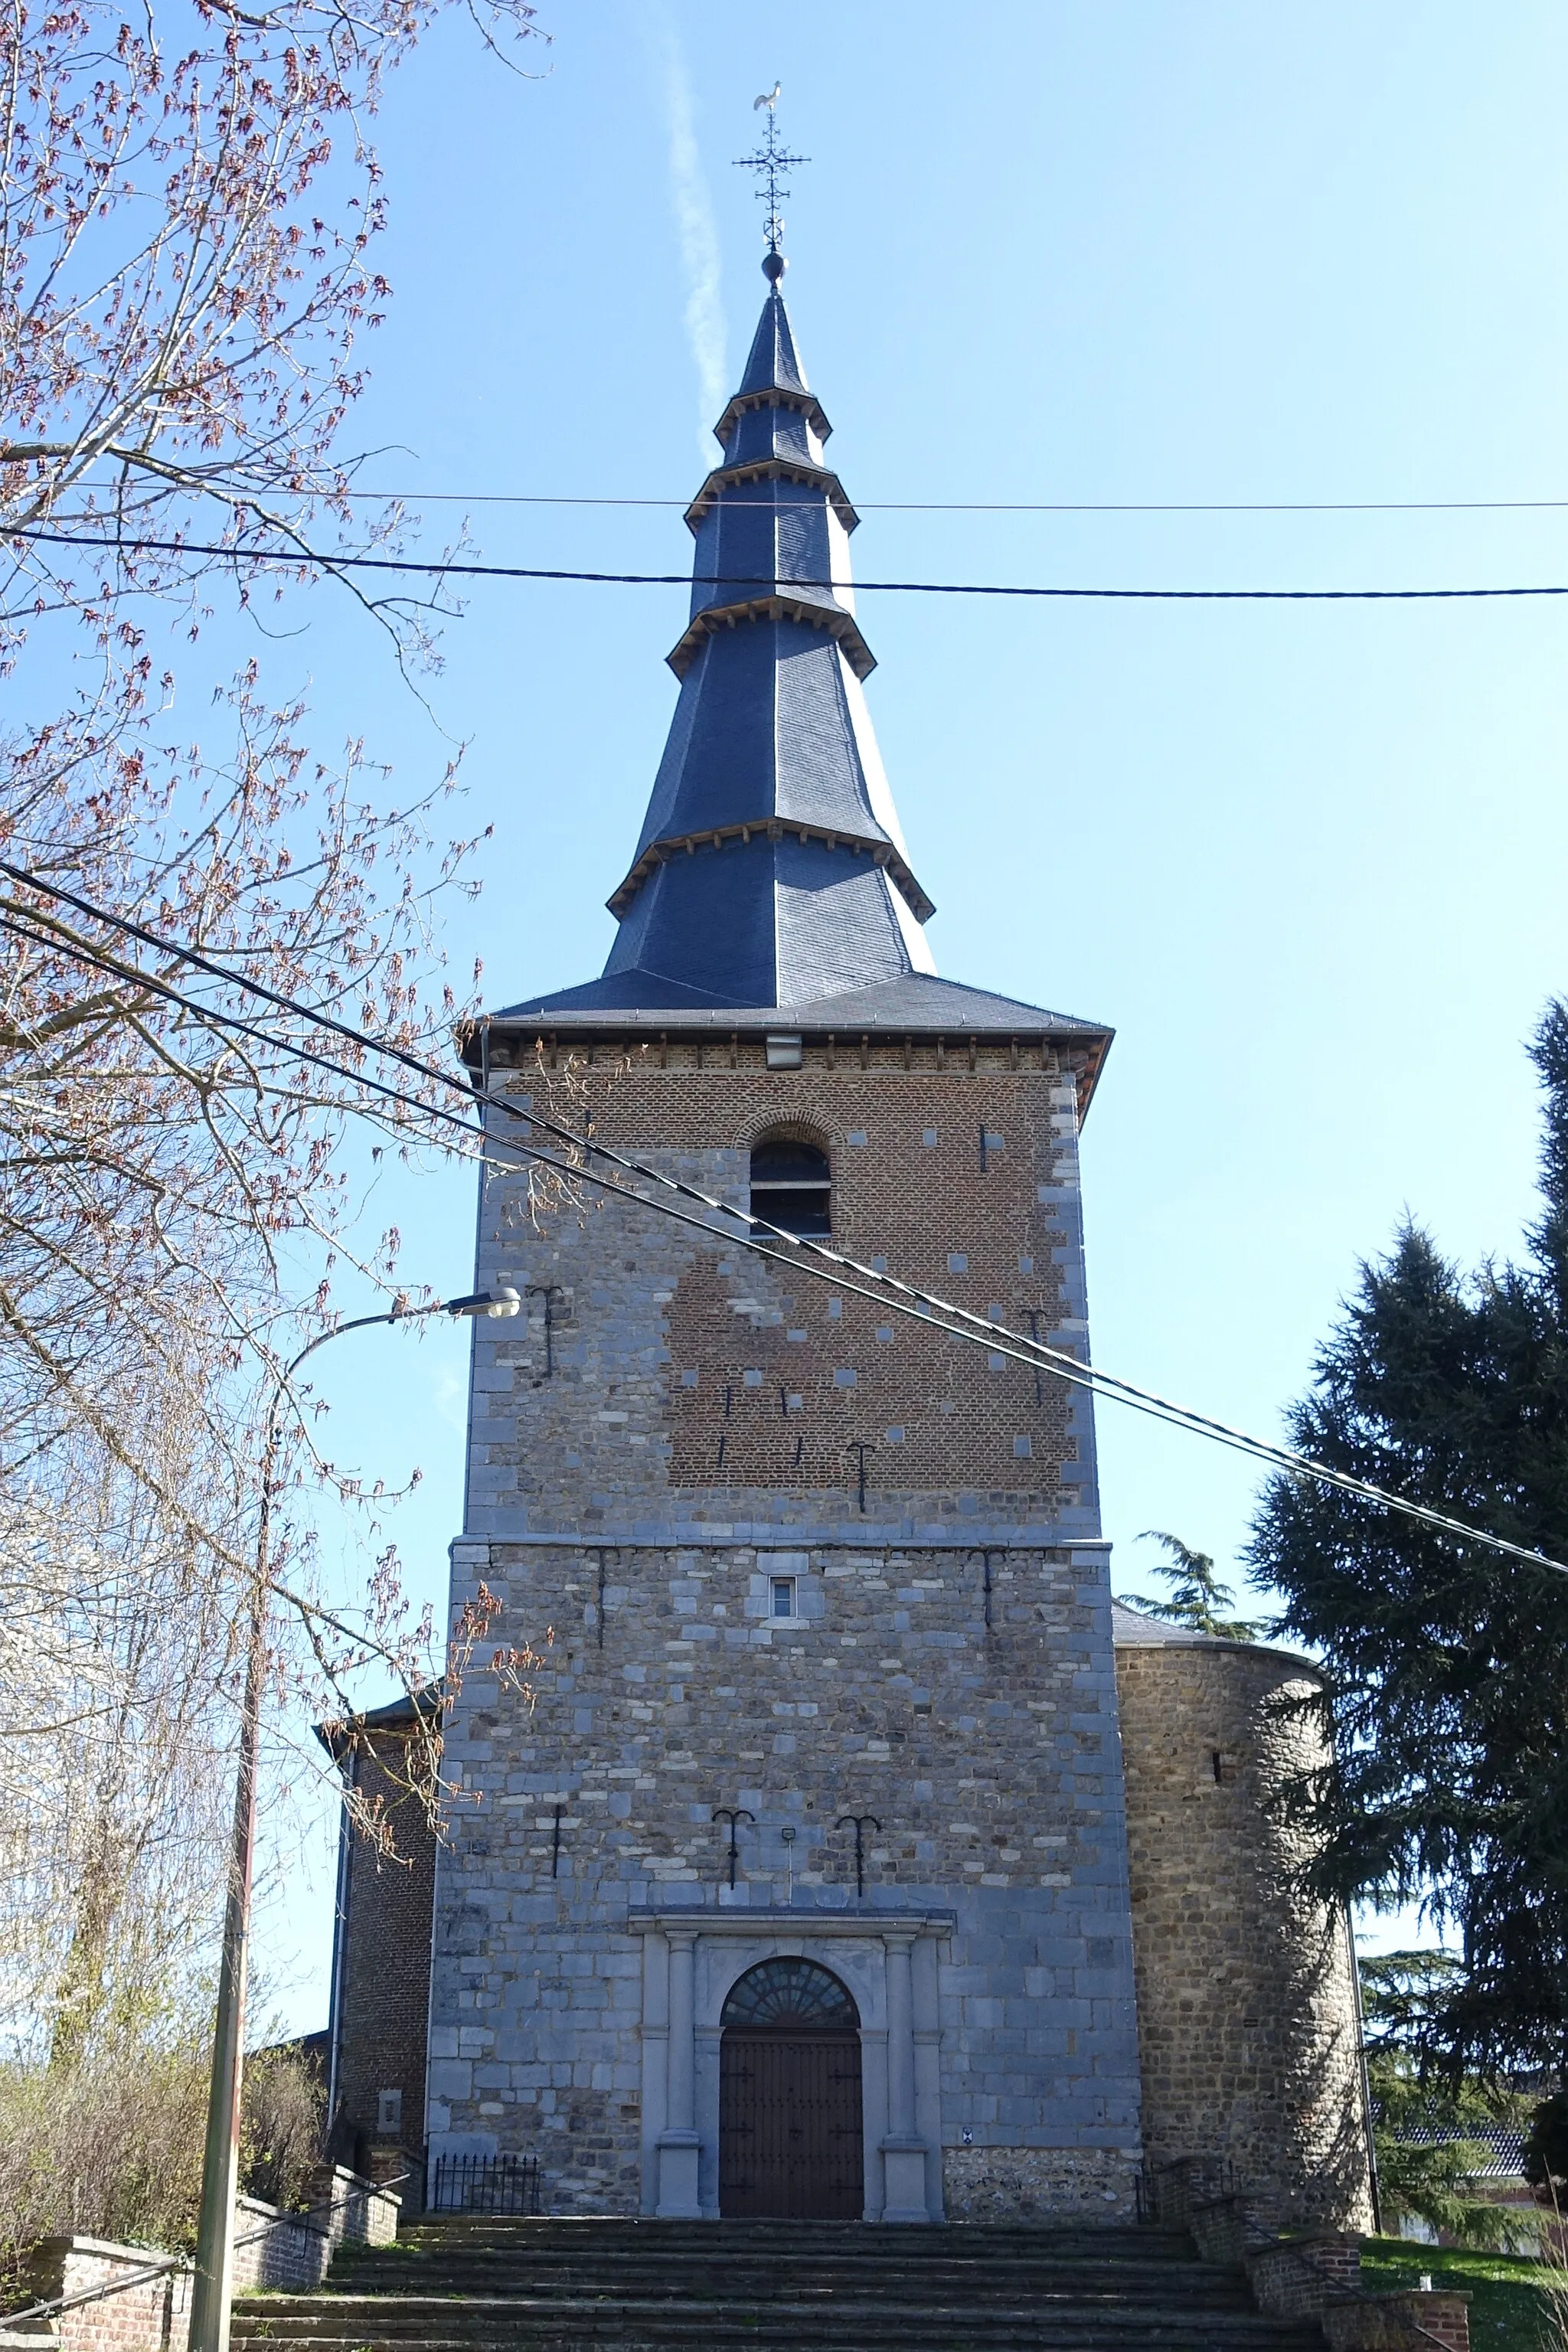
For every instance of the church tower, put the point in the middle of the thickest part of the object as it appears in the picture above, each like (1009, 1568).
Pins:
(799, 1883)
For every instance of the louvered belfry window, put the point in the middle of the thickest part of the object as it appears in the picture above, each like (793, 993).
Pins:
(791, 1186)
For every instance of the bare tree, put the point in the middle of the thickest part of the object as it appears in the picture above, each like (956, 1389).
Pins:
(189, 210)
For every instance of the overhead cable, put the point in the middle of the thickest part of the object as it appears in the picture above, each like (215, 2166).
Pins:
(799, 1251)
(302, 558)
(981, 506)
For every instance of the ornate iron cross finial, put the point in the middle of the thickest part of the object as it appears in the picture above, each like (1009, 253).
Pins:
(771, 162)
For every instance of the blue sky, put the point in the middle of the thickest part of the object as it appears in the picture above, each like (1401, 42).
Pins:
(1307, 859)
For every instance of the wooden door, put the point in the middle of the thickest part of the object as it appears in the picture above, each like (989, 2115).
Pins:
(789, 2125)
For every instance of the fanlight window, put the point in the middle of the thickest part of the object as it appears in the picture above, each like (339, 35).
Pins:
(791, 1186)
(791, 1993)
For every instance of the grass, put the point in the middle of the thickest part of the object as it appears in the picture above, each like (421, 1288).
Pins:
(1509, 2311)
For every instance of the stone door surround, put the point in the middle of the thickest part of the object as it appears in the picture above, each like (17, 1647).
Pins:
(888, 1960)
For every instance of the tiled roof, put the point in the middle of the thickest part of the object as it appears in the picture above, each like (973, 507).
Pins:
(1504, 2143)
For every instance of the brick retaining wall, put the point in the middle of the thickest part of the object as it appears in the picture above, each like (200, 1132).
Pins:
(153, 2314)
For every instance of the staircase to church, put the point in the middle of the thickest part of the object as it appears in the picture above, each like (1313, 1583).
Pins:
(473, 2284)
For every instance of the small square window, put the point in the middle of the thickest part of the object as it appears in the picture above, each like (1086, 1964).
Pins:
(689, 1379)
(1024, 1447)
(1026, 1266)
(781, 1596)
(884, 1330)
(855, 1135)
(929, 1137)
(894, 1436)
(835, 1310)
(752, 1380)
(957, 1262)
(783, 1052)
(997, 1363)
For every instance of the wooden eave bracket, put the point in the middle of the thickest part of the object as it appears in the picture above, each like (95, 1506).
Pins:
(772, 469)
(804, 404)
(771, 828)
(779, 606)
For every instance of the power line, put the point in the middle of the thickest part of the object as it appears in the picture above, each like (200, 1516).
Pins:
(291, 559)
(988, 506)
(886, 1291)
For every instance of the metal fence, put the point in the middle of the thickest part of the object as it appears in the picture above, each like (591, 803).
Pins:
(482, 2184)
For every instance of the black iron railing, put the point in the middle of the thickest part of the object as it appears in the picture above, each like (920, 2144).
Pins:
(482, 2184)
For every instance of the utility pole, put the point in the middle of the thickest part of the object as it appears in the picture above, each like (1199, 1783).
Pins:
(214, 2284)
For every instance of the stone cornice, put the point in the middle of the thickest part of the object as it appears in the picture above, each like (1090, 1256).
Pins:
(736, 1920)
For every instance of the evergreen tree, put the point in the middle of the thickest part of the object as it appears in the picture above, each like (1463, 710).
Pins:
(1197, 1595)
(1451, 1664)
(1432, 2141)
(1546, 2146)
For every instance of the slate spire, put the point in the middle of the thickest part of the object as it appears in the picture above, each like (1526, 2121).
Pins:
(770, 869)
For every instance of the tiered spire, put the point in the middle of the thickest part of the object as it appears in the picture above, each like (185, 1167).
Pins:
(770, 879)
(771, 870)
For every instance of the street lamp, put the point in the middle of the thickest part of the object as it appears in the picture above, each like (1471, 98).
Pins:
(214, 2282)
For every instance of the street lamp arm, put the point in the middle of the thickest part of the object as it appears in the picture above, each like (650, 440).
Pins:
(501, 1301)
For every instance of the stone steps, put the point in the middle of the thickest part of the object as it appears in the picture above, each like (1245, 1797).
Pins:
(737, 2275)
(837, 2325)
(493, 2284)
(474, 2233)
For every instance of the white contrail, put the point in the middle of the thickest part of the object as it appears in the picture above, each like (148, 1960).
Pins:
(695, 226)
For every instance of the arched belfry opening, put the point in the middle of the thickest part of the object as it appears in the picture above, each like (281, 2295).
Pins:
(792, 1184)
(790, 2131)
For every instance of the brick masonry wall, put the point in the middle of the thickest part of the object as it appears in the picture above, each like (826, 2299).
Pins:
(384, 1994)
(273, 2249)
(985, 1750)
(1400, 2322)
(759, 1379)
(1247, 2012)
(151, 2315)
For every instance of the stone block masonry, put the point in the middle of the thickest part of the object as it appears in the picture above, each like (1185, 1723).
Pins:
(1246, 2003)
(671, 1508)
(981, 1760)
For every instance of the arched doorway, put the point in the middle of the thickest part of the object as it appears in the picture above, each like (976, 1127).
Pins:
(789, 2096)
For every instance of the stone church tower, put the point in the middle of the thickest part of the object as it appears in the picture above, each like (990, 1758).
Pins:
(800, 1883)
